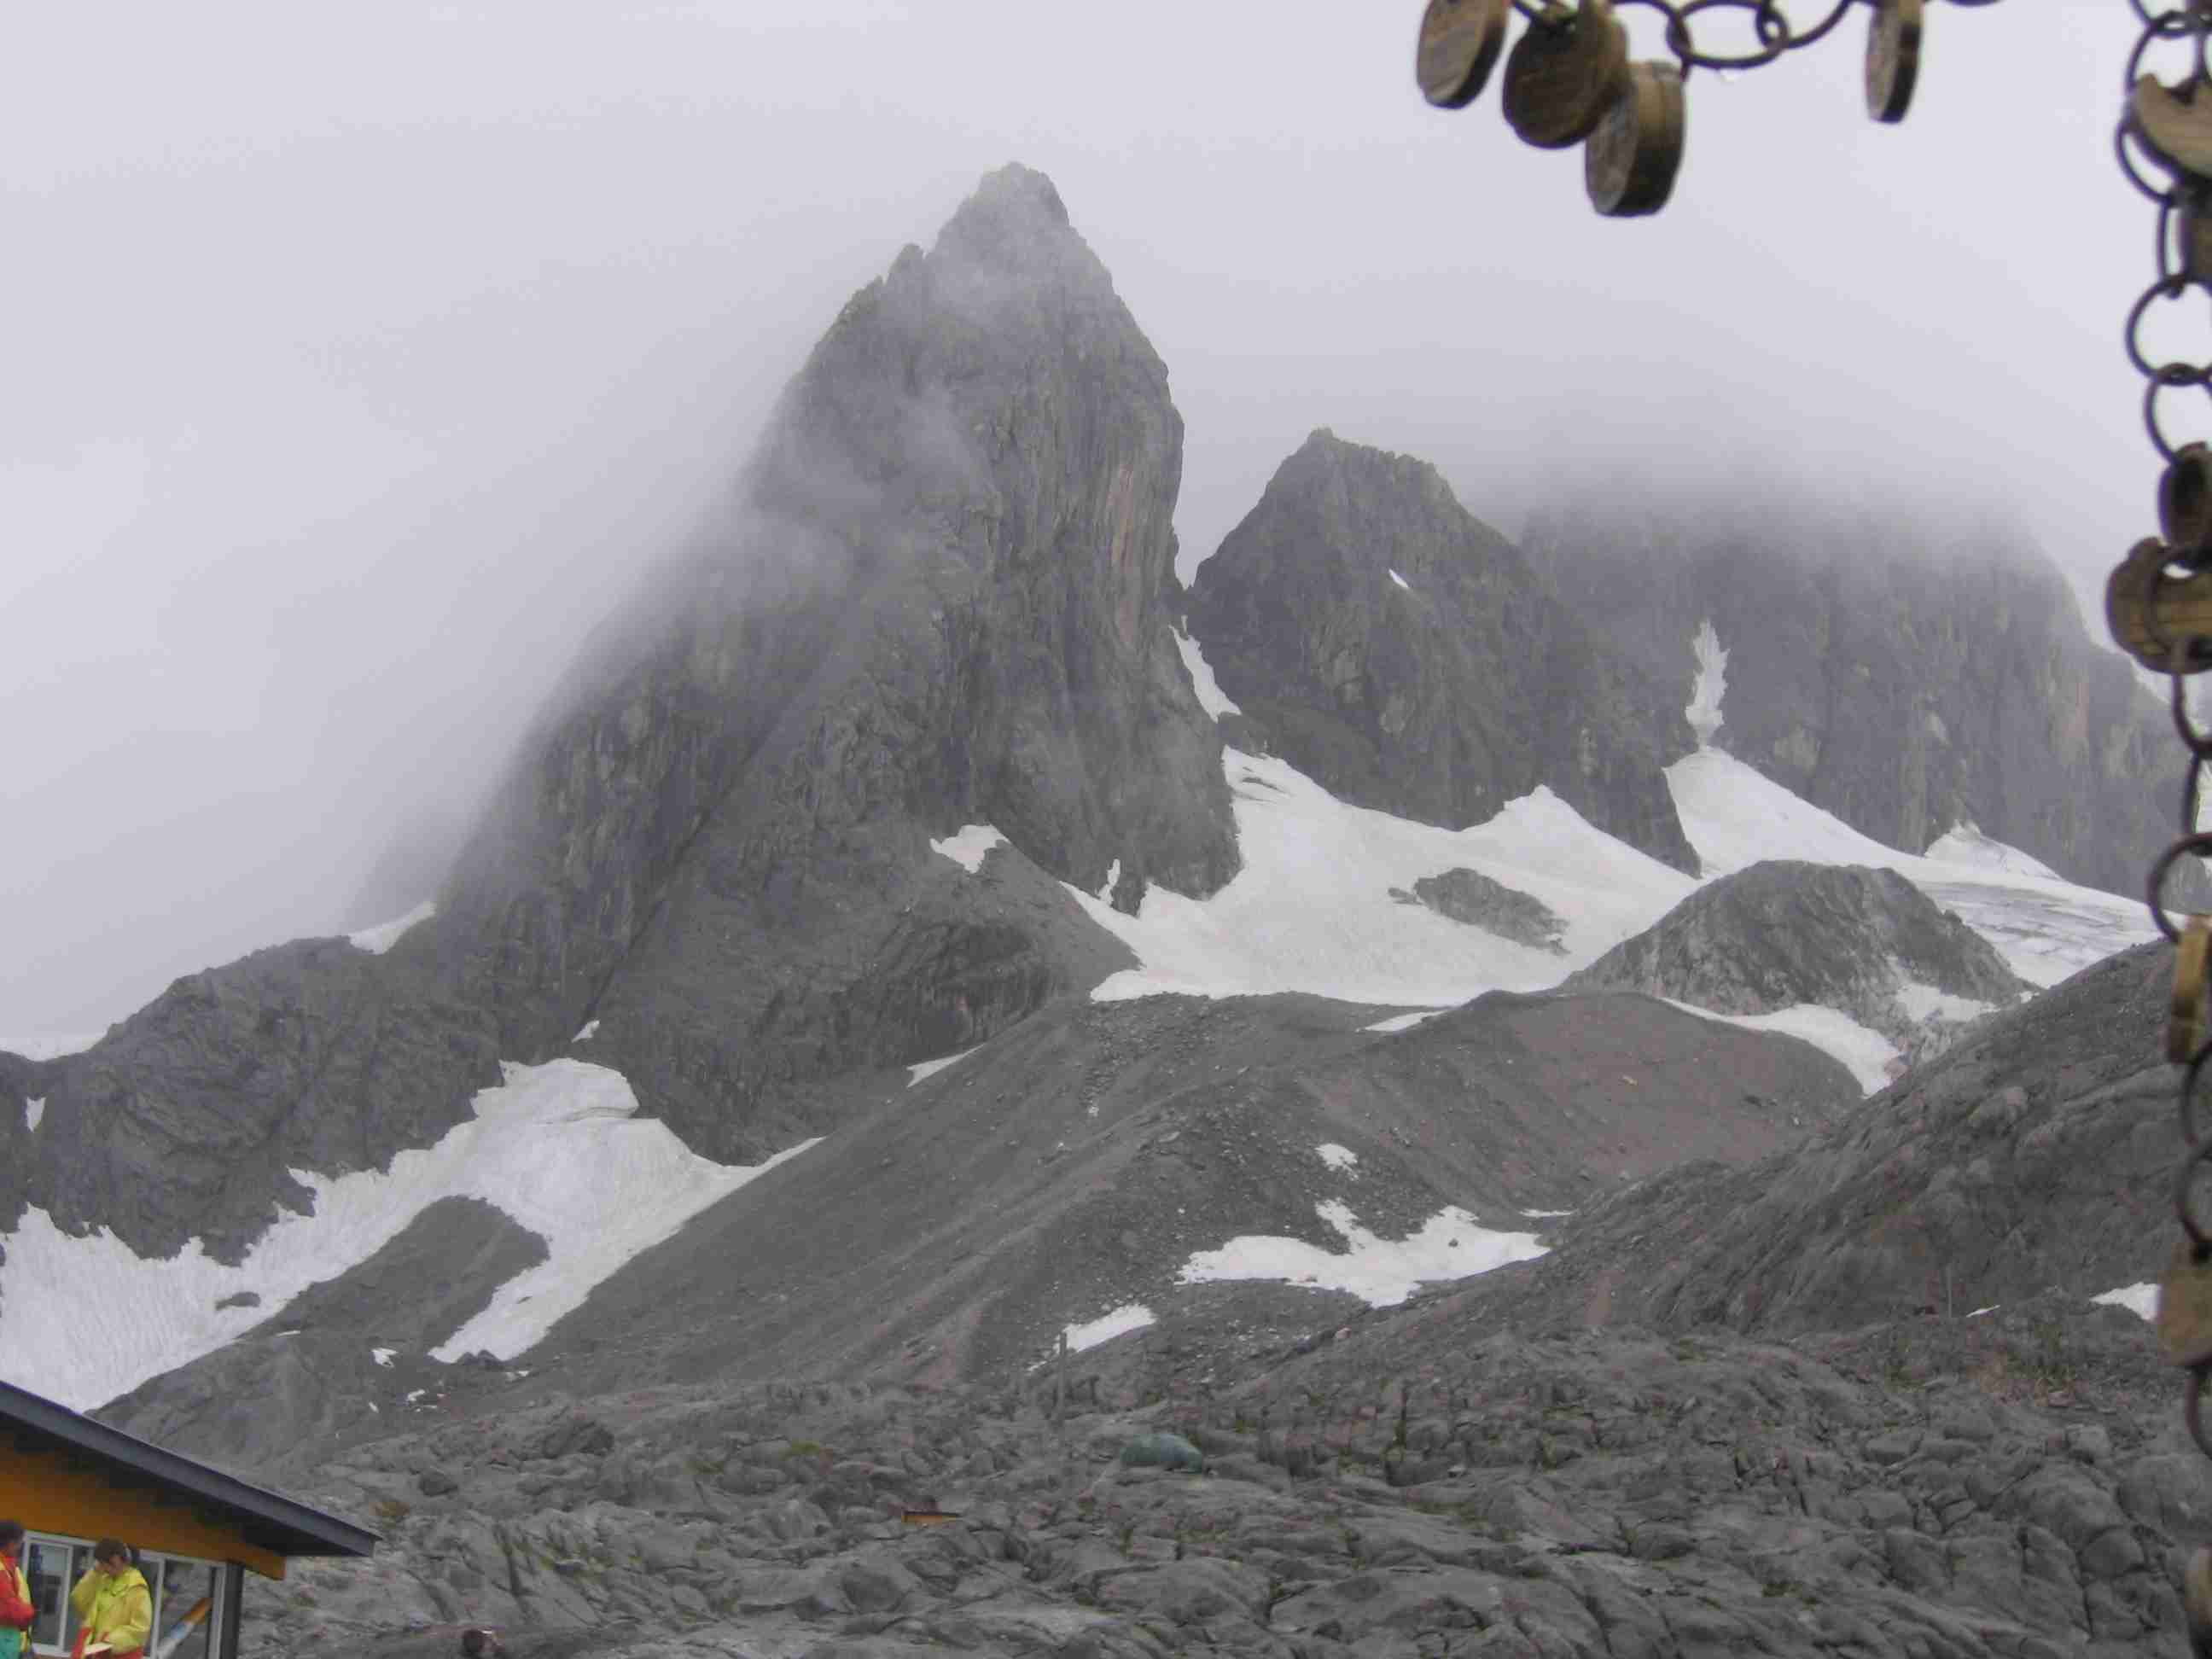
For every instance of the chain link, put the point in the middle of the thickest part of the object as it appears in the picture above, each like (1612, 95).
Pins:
(2177, 194)
(1769, 20)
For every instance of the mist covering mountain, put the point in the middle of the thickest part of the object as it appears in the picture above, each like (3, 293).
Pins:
(776, 1079)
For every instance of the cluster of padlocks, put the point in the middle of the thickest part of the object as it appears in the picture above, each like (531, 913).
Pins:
(1569, 79)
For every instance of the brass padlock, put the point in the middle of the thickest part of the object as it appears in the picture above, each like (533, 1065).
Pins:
(2196, 1601)
(2147, 611)
(2175, 127)
(1629, 164)
(2185, 1016)
(1459, 46)
(1564, 74)
(2185, 1309)
(2185, 503)
(1892, 58)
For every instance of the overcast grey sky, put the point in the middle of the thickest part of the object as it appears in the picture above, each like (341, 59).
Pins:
(355, 354)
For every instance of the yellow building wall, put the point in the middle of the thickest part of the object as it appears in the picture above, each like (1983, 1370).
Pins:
(47, 1494)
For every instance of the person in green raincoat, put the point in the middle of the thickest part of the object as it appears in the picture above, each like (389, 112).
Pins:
(17, 1612)
(113, 1605)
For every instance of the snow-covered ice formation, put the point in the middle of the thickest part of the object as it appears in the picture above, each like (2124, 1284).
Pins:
(1382, 1271)
(381, 938)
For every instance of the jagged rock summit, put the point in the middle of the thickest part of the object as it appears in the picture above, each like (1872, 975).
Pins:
(1782, 934)
(1392, 646)
(1905, 682)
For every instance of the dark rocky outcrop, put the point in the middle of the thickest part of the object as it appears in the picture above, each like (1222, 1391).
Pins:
(186, 1119)
(2038, 1153)
(1781, 933)
(1392, 646)
(1906, 682)
(944, 600)
(1470, 897)
(310, 1375)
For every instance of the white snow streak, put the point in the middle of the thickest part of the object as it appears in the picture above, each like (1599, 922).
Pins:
(967, 847)
(1545, 1215)
(1113, 876)
(35, 1113)
(1338, 1157)
(1979, 1312)
(558, 1147)
(1312, 909)
(1921, 1002)
(929, 1068)
(1210, 696)
(1402, 581)
(381, 938)
(1712, 684)
(383, 1356)
(2046, 930)
(1382, 1271)
(1866, 1055)
(2139, 1299)
(1129, 1317)
(1403, 1022)
(585, 1036)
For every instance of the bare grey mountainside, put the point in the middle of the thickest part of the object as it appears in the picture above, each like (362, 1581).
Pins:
(944, 600)
(1906, 682)
(1394, 647)
(1782, 933)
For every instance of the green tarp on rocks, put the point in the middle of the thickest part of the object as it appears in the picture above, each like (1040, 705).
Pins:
(1163, 1451)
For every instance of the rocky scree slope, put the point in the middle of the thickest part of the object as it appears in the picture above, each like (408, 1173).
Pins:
(2037, 1153)
(1388, 644)
(1905, 686)
(1074, 1165)
(1782, 933)
(1408, 1488)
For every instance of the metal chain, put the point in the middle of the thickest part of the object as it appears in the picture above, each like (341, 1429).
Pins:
(1769, 25)
(2150, 620)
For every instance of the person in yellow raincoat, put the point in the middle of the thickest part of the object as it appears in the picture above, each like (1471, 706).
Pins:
(113, 1604)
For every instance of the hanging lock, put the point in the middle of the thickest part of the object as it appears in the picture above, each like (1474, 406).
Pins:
(2185, 1309)
(1892, 58)
(2184, 506)
(1630, 162)
(2196, 1601)
(2149, 611)
(1459, 46)
(2175, 127)
(1564, 74)
(2185, 1016)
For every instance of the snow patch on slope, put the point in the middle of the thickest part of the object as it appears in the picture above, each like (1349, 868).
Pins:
(1402, 581)
(1403, 1022)
(968, 847)
(381, 938)
(1211, 697)
(1312, 909)
(1711, 684)
(35, 1113)
(1867, 1055)
(1129, 1317)
(2045, 929)
(2142, 1300)
(1965, 844)
(929, 1068)
(1340, 1158)
(1382, 1271)
(559, 1147)
(1922, 1003)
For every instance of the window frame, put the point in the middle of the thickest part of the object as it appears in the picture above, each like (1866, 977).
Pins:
(158, 1584)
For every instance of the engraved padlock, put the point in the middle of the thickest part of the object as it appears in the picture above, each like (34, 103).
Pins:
(2184, 504)
(2175, 125)
(1564, 74)
(1892, 58)
(2185, 1016)
(2185, 1309)
(1631, 160)
(2151, 614)
(1459, 45)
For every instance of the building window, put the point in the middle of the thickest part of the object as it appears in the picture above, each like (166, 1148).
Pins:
(187, 1597)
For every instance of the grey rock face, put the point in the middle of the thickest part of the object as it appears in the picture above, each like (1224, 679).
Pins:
(944, 600)
(1405, 654)
(309, 1375)
(1476, 900)
(1904, 686)
(184, 1120)
(2038, 1152)
(1780, 933)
